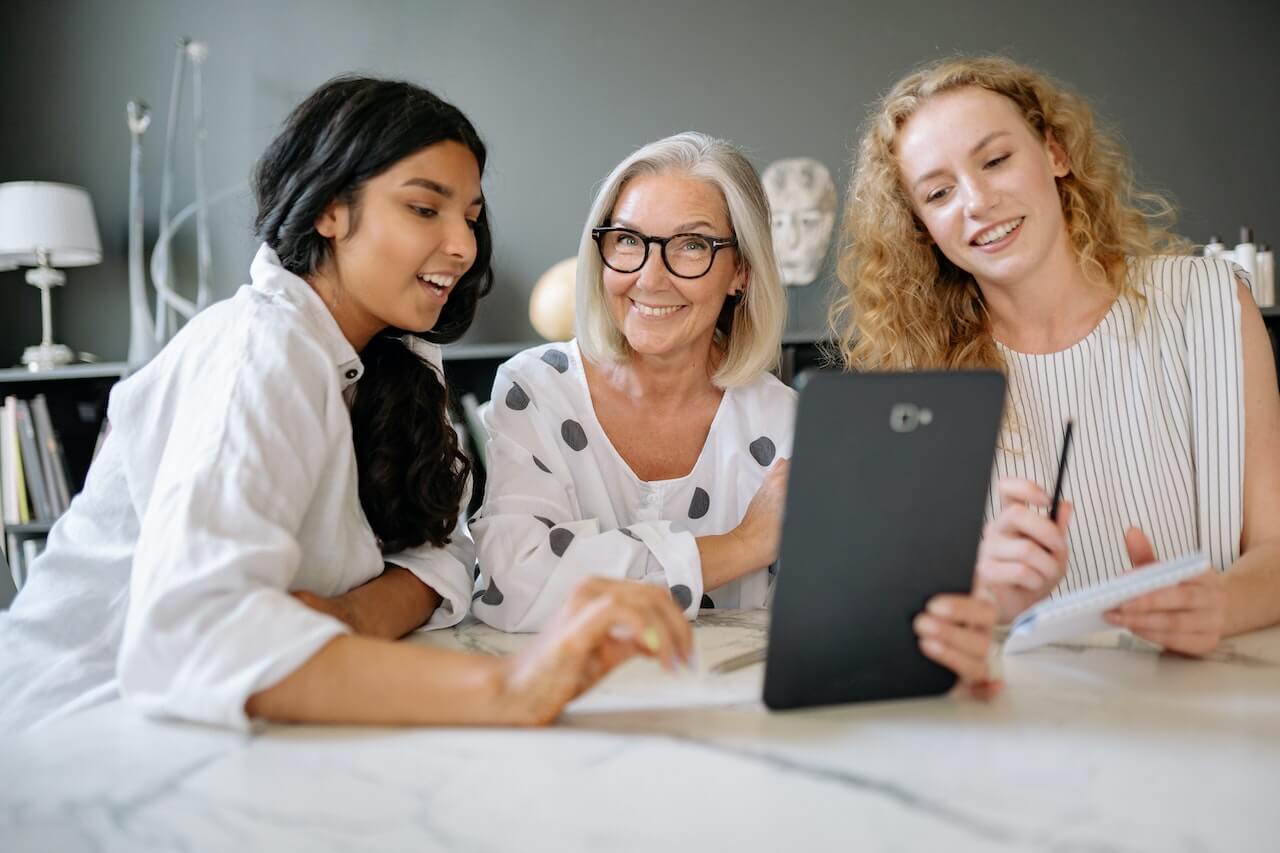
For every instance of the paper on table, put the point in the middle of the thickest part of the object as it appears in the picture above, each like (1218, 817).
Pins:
(1081, 612)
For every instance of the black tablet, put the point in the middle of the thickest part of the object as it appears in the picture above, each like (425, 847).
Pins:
(884, 510)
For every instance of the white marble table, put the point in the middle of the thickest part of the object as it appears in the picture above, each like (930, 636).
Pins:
(1096, 746)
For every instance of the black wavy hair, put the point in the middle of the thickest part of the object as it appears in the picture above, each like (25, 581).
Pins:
(412, 473)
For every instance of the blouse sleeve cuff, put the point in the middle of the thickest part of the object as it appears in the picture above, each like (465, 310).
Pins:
(673, 561)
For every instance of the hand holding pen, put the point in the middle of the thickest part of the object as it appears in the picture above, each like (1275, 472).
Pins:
(1023, 554)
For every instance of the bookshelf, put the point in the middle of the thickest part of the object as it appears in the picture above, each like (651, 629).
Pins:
(77, 402)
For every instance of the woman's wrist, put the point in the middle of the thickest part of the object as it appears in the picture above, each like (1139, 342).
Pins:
(746, 550)
(728, 556)
(513, 703)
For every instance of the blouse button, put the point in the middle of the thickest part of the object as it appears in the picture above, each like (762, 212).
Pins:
(352, 373)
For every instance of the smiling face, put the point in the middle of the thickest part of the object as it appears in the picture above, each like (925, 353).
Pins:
(400, 249)
(659, 313)
(982, 182)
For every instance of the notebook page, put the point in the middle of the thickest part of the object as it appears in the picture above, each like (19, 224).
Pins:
(1081, 612)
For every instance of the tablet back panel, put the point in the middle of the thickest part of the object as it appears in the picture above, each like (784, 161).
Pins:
(884, 509)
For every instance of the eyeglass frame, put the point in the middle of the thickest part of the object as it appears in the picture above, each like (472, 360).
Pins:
(717, 243)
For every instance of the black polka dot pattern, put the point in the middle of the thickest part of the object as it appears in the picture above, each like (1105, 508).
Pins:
(517, 399)
(548, 522)
(627, 532)
(763, 451)
(541, 467)
(476, 575)
(560, 539)
(492, 595)
(707, 603)
(700, 504)
(573, 434)
(556, 359)
(682, 596)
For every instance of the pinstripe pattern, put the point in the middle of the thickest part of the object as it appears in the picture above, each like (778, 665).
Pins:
(1156, 394)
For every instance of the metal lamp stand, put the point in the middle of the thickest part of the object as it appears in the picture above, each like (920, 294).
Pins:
(47, 355)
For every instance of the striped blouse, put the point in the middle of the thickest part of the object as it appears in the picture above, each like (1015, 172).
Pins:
(1156, 393)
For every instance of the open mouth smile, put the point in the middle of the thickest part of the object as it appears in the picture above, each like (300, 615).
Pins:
(997, 236)
(438, 284)
(655, 311)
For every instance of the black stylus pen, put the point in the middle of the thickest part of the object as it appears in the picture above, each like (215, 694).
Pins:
(1062, 471)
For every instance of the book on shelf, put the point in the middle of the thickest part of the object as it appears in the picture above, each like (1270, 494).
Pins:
(53, 460)
(38, 488)
(34, 485)
(8, 491)
(31, 548)
(51, 426)
(14, 489)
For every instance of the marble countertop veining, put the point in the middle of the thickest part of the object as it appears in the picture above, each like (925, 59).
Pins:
(1099, 745)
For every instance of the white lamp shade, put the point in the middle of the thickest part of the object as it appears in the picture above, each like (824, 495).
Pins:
(40, 216)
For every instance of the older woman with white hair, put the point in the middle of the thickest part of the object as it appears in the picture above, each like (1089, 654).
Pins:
(653, 446)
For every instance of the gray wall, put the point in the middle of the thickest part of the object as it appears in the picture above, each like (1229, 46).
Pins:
(562, 90)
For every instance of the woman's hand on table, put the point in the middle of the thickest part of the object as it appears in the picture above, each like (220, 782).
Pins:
(604, 623)
(956, 631)
(1023, 555)
(1187, 618)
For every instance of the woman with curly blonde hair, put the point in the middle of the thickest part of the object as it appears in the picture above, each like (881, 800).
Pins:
(991, 223)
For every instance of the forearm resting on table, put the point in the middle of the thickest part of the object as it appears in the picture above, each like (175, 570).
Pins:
(362, 680)
(1253, 589)
(391, 605)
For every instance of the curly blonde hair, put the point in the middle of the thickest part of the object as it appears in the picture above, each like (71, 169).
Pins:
(905, 305)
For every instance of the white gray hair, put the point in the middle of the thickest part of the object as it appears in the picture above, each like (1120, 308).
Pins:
(753, 344)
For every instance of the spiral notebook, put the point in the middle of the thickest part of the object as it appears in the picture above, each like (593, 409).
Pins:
(1081, 612)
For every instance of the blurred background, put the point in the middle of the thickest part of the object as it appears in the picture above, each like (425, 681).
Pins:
(561, 90)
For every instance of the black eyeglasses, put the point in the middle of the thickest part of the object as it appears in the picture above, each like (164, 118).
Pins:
(685, 255)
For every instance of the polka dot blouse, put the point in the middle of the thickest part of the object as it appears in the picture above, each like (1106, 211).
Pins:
(561, 504)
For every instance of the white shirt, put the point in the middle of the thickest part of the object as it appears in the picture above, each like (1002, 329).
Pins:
(561, 503)
(227, 481)
(1156, 393)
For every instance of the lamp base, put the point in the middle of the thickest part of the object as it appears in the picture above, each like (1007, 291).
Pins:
(47, 357)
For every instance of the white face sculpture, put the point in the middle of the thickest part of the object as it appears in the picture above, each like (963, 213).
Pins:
(802, 198)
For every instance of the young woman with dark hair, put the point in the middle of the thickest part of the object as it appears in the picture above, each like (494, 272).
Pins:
(286, 462)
